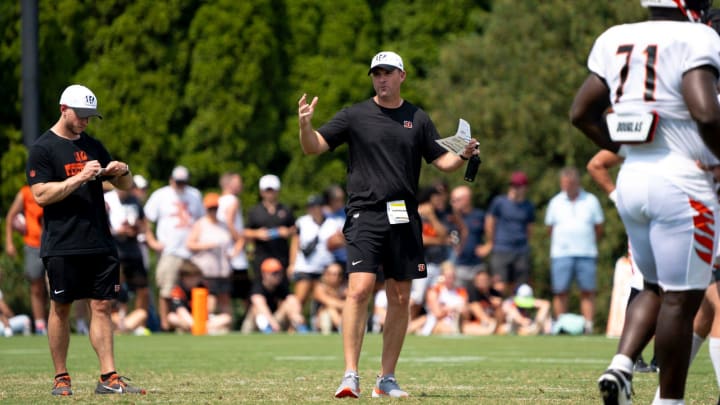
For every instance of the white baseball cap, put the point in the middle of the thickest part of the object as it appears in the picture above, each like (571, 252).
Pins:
(269, 181)
(386, 60)
(139, 181)
(524, 296)
(81, 99)
(181, 174)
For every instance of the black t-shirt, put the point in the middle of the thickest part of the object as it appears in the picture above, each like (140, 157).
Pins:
(385, 147)
(78, 224)
(484, 298)
(259, 217)
(274, 297)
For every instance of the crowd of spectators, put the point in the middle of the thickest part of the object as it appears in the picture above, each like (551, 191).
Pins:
(267, 270)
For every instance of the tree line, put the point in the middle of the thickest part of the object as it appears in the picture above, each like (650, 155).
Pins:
(213, 85)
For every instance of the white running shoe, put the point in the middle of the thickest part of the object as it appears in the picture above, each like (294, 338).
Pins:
(349, 386)
(387, 386)
(615, 387)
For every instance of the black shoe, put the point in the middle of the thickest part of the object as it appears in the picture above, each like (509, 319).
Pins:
(642, 367)
(615, 387)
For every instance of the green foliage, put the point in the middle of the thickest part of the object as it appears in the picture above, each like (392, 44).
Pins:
(214, 85)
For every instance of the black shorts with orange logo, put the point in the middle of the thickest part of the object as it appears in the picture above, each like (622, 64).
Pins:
(83, 276)
(372, 242)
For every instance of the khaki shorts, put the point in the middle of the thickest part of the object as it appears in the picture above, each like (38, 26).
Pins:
(166, 273)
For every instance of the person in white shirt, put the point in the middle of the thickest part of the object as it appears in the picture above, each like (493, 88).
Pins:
(230, 213)
(575, 222)
(309, 254)
(173, 209)
(659, 78)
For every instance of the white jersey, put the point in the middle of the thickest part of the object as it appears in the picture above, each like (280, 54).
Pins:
(642, 65)
(174, 213)
(239, 261)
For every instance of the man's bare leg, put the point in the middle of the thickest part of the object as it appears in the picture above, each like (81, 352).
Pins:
(59, 335)
(101, 334)
(355, 312)
(396, 322)
(673, 340)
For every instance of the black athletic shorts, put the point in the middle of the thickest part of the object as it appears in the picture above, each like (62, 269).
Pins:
(135, 273)
(84, 276)
(372, 242)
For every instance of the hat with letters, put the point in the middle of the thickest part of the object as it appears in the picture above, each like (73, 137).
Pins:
(386, 60)
(81, 99)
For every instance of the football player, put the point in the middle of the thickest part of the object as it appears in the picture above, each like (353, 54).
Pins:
(659, 77)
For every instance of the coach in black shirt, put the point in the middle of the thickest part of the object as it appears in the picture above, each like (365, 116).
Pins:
(65, 171)
(387, 138)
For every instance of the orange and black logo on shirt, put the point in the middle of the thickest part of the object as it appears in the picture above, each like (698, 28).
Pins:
(76, 167)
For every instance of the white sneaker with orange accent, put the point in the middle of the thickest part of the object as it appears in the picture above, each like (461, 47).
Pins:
(387, 386)
(349, 386)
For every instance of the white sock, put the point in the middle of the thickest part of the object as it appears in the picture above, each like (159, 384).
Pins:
(697, 342)
(622, 362)
(660, 401)
(714, 348)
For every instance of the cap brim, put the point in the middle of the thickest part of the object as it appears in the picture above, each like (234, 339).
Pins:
(389, 68)
(524, 302)
(87, 112)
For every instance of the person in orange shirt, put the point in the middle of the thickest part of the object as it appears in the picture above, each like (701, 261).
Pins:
(25, 216)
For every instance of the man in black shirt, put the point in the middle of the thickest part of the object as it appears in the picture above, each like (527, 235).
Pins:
(65, 171)
(388, 137)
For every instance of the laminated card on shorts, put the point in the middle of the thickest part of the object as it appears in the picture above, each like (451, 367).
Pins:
(457, 143)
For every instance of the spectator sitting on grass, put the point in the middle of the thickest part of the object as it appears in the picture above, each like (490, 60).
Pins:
(272, 307)
(180, 315)
(329, 296)
(525, 314)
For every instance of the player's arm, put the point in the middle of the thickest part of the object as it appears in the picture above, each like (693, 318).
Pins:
(489, 232)
(599, 168)
(292, 257)
(588, 107)
(54, 191)
(311, 141)
(15, 208)
(449, 161)
(700, 93)
(120, 175)
(479, 313)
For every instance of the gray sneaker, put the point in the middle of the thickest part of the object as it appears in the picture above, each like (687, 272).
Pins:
(387, 386)
(349, 386)
(62, 386)
(117, 384)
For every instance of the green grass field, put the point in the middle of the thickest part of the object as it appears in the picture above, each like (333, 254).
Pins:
(306, 369)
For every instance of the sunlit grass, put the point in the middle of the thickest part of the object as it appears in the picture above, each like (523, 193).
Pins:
(306, 369)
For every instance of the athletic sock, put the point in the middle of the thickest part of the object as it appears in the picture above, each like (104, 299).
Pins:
(714, 347)
(104, 377)
(622, 362)
(662, 401)
(65, 374)
(697, 342)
